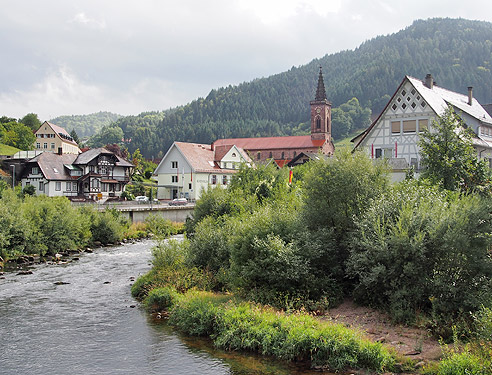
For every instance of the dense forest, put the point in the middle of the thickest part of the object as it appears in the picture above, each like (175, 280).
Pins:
(85, 125)
(457, 52)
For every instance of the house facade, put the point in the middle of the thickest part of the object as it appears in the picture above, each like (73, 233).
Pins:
(95, 174)
(53, 138)
(284, 149)
(394, 135)
(187, 169)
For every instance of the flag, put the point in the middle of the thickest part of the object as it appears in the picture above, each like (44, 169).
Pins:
(191, 173)
(291, 172)
(396, 149)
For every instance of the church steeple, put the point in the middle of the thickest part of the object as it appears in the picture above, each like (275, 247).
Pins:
(320, 91)
(321, 113)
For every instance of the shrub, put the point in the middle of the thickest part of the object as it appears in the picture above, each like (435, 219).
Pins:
(170, 254)
(160, 226)
(161, 299)
(464, 363)
(107, 227)
(54, 225)
(419, 249)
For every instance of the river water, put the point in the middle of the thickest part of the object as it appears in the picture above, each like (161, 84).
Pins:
(80, 318)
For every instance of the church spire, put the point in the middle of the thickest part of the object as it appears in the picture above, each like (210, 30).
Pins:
(320, 91)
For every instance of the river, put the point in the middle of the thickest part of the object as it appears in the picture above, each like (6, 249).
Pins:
(80, 318)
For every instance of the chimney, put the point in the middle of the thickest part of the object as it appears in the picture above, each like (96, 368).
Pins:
(429, 81)
(470, 95)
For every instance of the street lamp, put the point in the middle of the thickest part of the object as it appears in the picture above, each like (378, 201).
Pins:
(13, 176)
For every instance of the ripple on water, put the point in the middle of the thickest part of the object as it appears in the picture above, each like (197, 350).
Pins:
(86, 326)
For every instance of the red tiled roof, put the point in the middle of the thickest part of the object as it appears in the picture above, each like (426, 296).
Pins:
(266, 143)
(203, 159)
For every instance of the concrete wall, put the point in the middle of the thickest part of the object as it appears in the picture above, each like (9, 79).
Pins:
(176, 214)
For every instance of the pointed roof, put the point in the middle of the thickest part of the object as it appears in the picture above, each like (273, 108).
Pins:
(438, 99)
(320, 91)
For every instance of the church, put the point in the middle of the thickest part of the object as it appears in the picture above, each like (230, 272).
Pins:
(187, 169)
(284, 149)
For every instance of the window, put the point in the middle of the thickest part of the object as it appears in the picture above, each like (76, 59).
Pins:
(379, 153)
(45, 146)
(423, 124)
(271, 155)
(295, 153)
(74, 186)
(190, 187)
(38, 145)
(318, 123)
(118, 187)
(409, 126)
(41, 186)
(214, 179)
(233, 154)
(104, 187)
(395, 127)
(224, 180)
(388, 153)
(58, 186)
(52, 146)
(174, 178)
(68, 186)
(174, 164)
(283, 155)
(95, 183)
(258, 155)
(35, 170)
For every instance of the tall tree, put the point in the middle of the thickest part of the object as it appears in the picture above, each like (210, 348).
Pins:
(448, 156)
(31, 120)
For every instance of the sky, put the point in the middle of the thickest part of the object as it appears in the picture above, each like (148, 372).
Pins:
(64, 57)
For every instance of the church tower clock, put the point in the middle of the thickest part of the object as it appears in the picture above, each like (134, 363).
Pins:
(321, 113)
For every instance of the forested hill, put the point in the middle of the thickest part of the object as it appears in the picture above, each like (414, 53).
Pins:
(457, 52)
(85, 125)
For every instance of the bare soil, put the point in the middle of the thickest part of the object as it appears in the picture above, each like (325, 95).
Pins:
(412, 342)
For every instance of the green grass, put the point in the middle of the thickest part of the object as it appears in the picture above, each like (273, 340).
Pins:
(235, 325)
(7, 150)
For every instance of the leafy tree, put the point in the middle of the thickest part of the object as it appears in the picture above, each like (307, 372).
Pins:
(107, 135)
(17, 135)
(448, 156)
(31, 120)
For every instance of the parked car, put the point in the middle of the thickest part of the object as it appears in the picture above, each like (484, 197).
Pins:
(178, 202)
(142, 198)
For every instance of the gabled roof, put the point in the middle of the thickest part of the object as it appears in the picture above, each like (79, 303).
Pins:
(91, 154)
(61, 132)
(52, 165)
(438, 99)
(201, 157)
(266, 143)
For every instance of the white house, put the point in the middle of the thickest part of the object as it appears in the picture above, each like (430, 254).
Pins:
(414, 105)
(189, 168)
(94, 174)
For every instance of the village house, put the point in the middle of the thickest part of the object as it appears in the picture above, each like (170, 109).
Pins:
(394, 135)
(284, 149)
(95, 174)
(189, 168)
(53, 138)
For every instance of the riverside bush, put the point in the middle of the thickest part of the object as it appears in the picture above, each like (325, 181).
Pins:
(243, 326)
(160, 299)
(420, 249)
(54, 225)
